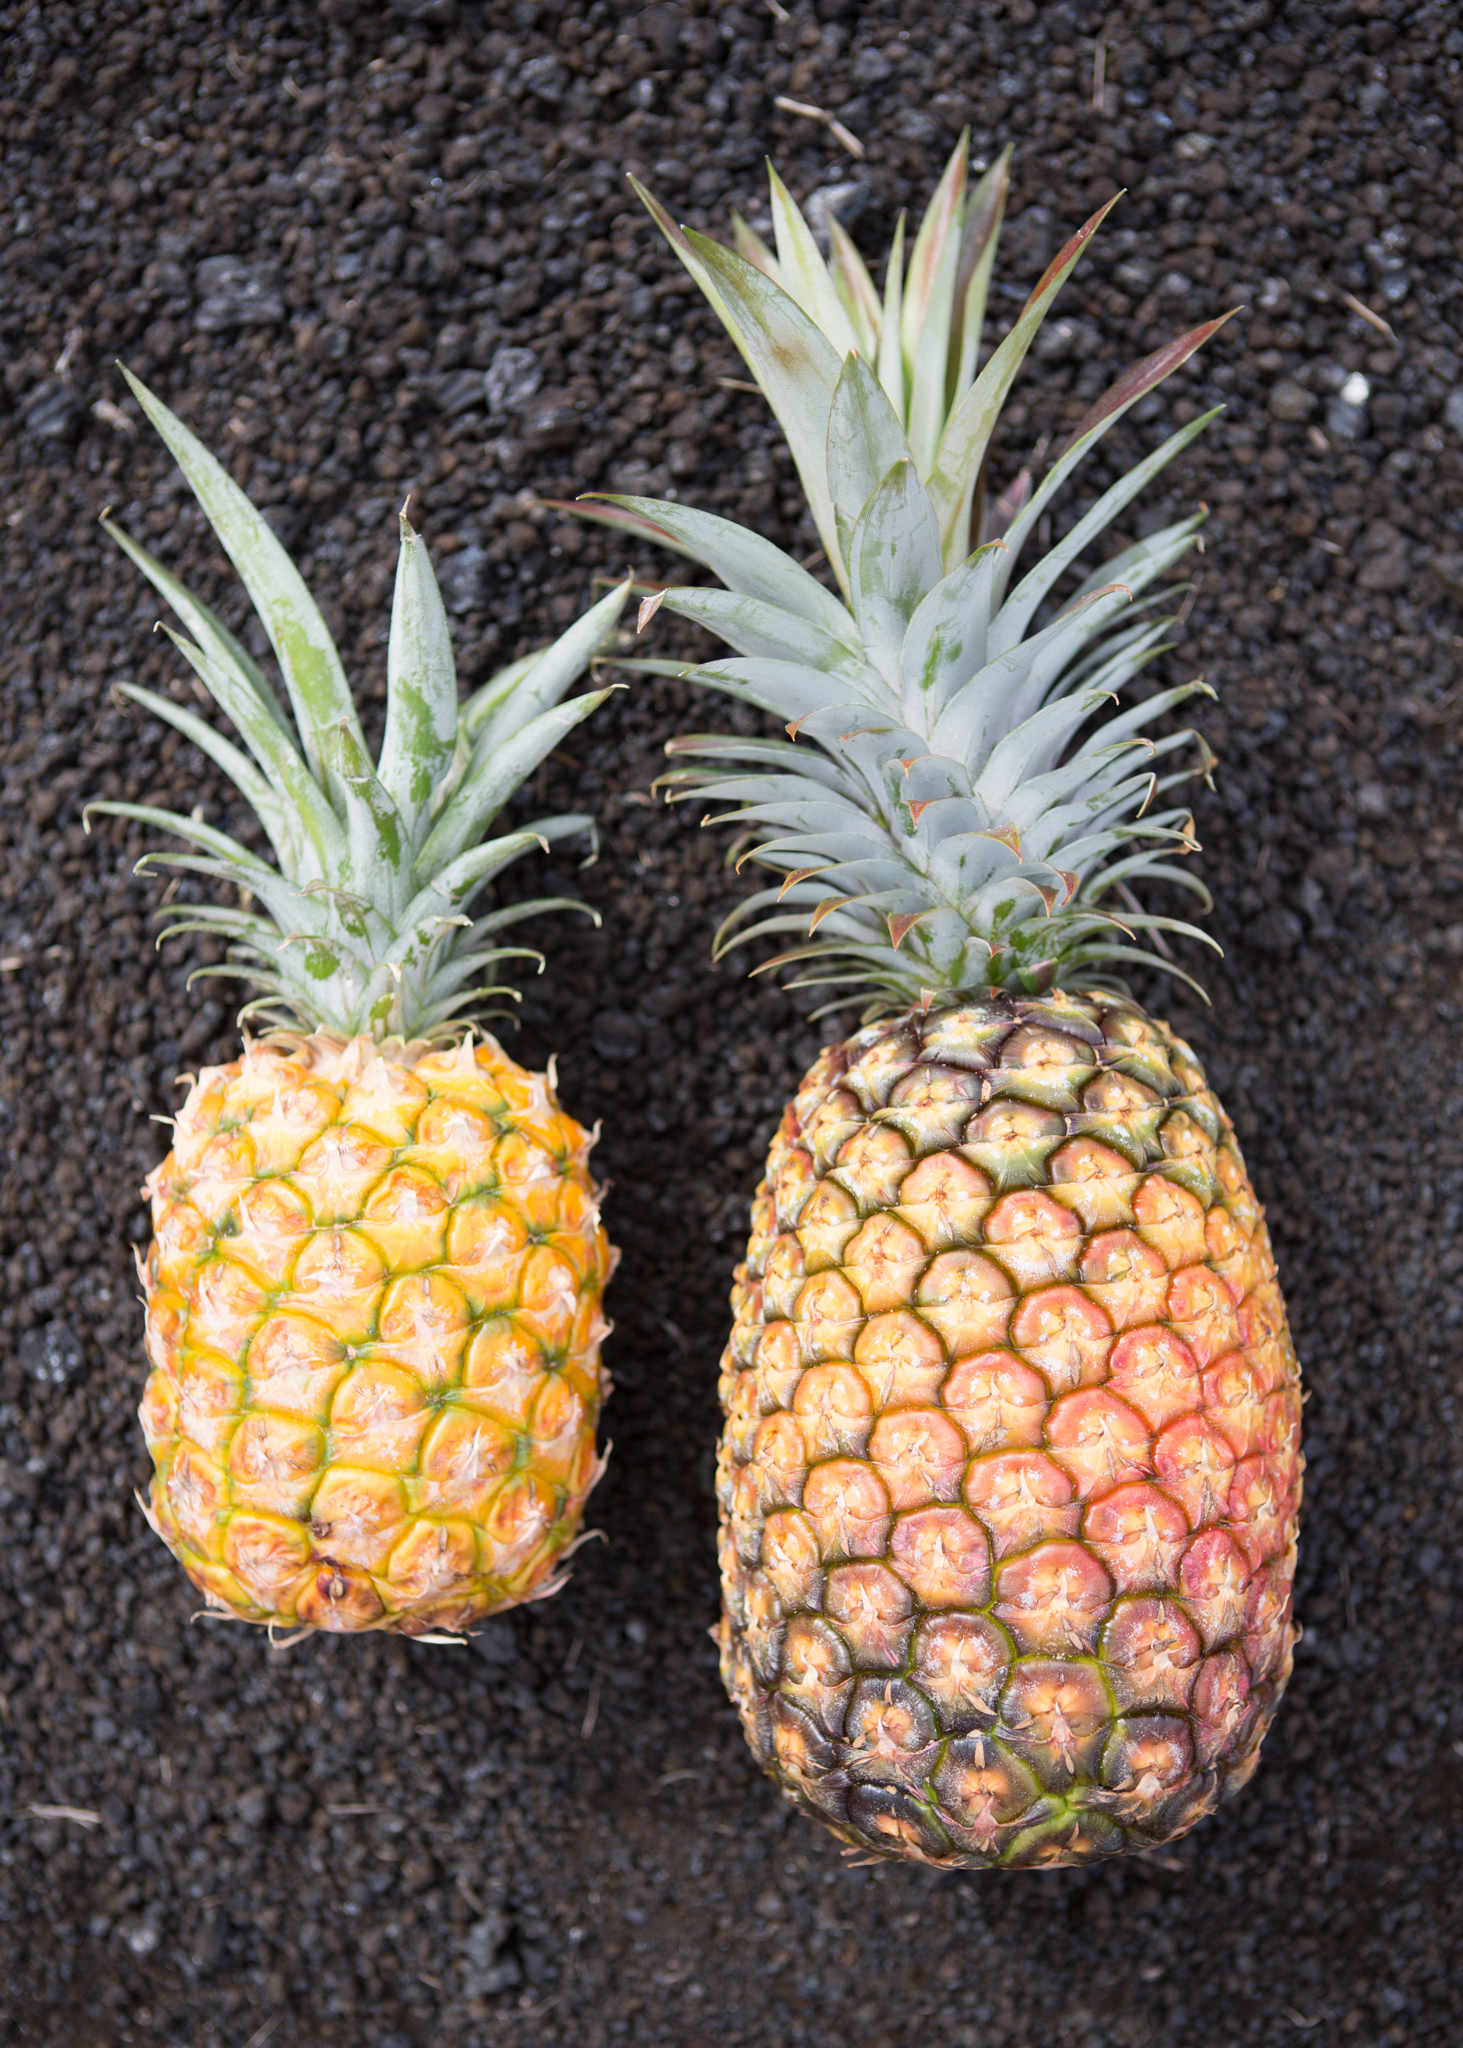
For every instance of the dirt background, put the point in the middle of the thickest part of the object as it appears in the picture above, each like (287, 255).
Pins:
(315, 228)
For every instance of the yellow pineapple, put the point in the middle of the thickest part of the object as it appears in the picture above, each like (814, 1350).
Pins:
(1010, 1474)
(374, 1288)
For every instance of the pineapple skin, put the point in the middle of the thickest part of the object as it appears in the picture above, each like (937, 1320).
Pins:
(373, 1321)
(1011, 1469)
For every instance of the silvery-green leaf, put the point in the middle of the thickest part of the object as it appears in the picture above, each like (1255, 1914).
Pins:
(240, 770)
(546, 681)
(495, 774)
(747, 242)
(966, 437)
(380, 850)
(266, 882)
(802, 272)
(1029, 747)
(306, 653)
(855, 288)
(746, 562)
(891, 328)
(315, 835)
(421, 687)
(1138, 566)
(795, 365)
(865, 441)
(929, 294)
(781, 687)
(494, 692)
(1110, 408)
(979, 233)
(1016, 613)
(752, 626)
(457, 882)
(207, 629)
(945, 644)
(894, 560)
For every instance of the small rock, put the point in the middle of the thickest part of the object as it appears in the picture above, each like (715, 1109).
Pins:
(616, 1036)
(482, 1970)
(463, 579)
(1028, 241)
(52, 1354)
(494, 1642)
(1277, 931)
(511, 379)
(871, 67)
(1346, 415)
(1291, 401)
(915, 125)
(53, 412)
(550, 423)
(233, 294)
(1453, 410)
(1386, 572)
(454, 391)
(846, 200)
(1386, 564)
(543, 77)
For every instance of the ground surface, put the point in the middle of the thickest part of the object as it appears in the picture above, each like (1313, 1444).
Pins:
(556, 1834)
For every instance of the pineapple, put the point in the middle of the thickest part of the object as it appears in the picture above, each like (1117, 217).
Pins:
(373, 1292)
(1010, 1473)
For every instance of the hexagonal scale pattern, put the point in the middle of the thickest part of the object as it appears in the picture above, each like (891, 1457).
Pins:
(1011, 1468)
(373, 1321)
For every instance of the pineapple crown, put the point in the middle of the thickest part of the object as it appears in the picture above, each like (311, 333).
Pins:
(956, 797)
(363, 925)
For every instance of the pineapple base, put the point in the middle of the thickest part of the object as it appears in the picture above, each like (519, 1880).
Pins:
(373, 1321)
(1011, 1469)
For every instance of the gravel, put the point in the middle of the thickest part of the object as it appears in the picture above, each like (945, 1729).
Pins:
(556, 1833)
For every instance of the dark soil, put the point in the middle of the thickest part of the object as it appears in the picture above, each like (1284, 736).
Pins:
(313, 227)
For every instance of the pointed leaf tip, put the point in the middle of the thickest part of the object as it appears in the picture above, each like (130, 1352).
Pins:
(901, 926)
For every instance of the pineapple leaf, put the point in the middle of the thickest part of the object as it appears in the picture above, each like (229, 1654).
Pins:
(855, 289)
(747, 242)
(379, 862)
(864, 440)
(303, 801)
(980, 232)
(1011, 620)
(456, 884)
(230, 859)
(803, 274)
(306, 653)
(206, 628)
(929, 293)
(542, 685)
(891, 326)
(792, 362)
(967, 435)
(611, 514)
(494, 692)
(236, 765)
(754, 627)
(495, 773)
(945, 643)
(742, 559)
(421, 689)
(894, 557)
